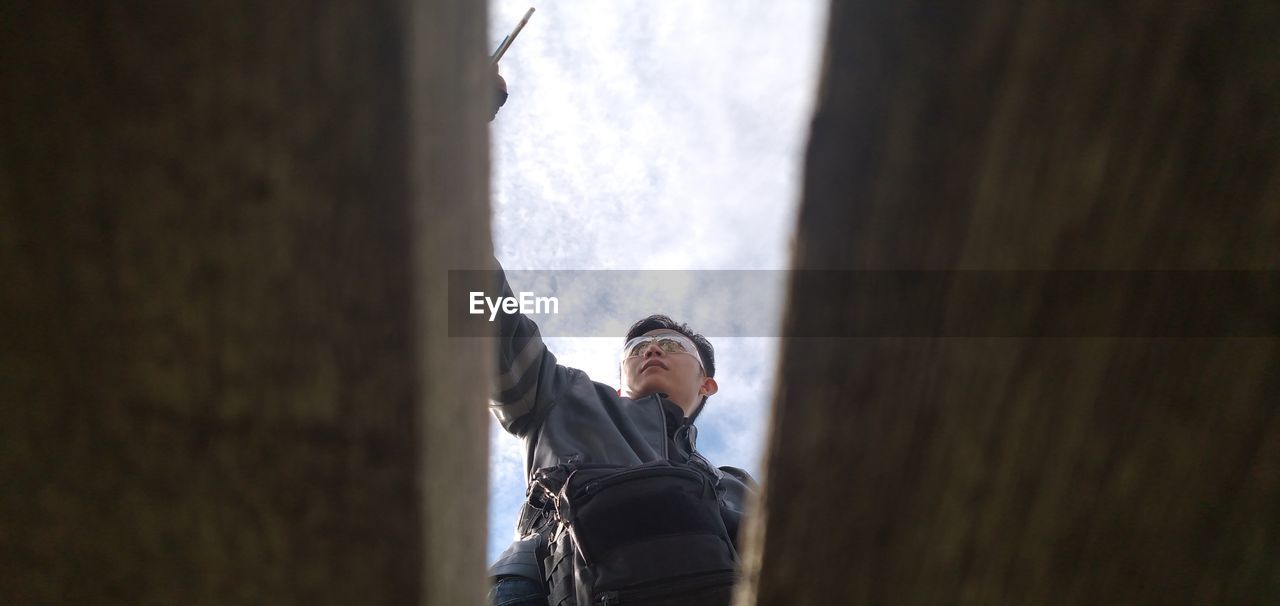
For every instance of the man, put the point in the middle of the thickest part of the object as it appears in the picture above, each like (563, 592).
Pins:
(569, 422)
(678, 549)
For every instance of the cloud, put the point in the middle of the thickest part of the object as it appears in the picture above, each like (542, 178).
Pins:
(646, 135)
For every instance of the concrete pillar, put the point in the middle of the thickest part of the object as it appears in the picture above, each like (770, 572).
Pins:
(1077, 469)
(223, 242)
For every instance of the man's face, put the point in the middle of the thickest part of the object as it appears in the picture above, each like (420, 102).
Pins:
(652, 368)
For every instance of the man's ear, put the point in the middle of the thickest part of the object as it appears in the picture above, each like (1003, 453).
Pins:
(709, 387)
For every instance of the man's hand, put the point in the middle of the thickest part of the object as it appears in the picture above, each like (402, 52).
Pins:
(499, 92)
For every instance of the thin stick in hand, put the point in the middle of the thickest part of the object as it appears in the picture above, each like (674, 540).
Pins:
(506, 42)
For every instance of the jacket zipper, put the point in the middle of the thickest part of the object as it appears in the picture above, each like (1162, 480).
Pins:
(663, 589)
(662, 416)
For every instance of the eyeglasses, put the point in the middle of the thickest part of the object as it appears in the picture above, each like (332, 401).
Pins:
(668, 343)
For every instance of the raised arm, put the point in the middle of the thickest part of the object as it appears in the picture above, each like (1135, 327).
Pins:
(529, 379)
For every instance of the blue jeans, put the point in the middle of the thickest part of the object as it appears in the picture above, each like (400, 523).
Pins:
(517, 591)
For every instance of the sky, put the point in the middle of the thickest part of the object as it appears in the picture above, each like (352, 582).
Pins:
(652, 135)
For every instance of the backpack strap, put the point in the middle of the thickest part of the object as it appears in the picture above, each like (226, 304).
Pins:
(696, 459)
(540, 497)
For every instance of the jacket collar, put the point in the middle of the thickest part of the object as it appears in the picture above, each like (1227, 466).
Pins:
(676, 421)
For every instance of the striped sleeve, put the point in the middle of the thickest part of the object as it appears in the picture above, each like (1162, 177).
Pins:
(527, 371)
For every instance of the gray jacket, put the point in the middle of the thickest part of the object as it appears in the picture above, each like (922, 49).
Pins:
(565, 417)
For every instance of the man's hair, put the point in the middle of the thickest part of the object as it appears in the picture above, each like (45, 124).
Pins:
(705, 351)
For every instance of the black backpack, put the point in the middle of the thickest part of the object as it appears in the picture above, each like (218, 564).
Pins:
(649, 534)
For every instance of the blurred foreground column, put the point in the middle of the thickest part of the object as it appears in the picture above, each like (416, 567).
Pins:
(224, 231)
(1073, 469)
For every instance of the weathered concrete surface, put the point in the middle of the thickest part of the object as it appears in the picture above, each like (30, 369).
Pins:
(223, 233)
(1041, 135)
